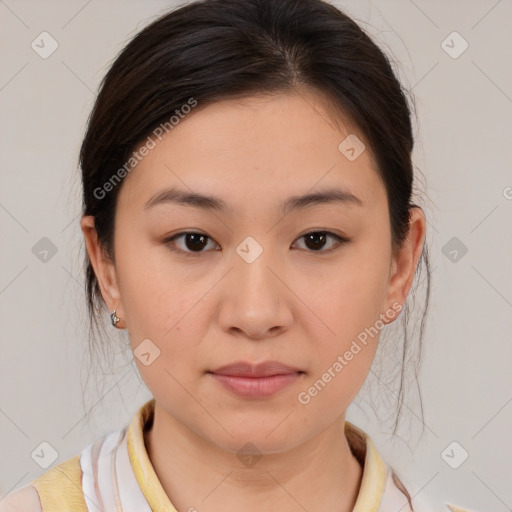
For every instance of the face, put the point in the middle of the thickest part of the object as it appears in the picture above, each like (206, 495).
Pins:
(201, 287)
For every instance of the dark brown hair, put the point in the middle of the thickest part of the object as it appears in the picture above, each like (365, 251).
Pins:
(219, 49)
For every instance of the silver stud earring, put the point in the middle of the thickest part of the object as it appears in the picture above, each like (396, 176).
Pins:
(114, 318)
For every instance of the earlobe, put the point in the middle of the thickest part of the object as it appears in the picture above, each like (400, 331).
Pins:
(103, 267)
(406, 261)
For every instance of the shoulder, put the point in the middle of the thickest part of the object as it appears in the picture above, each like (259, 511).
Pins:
(60, 488)
(396, 497)
(25, 499)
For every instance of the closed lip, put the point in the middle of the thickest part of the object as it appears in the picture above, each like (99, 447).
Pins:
(264, 369)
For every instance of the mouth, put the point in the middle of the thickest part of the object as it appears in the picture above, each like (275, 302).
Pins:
(256, 381)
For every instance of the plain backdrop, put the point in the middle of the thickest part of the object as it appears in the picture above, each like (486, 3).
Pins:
(463, 150)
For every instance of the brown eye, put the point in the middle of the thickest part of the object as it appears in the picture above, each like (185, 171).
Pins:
(192, 243)
(317, 240)
(195, 241)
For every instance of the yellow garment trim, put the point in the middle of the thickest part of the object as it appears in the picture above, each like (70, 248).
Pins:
(370, 494)
(373, 482)
(141, 464)
(453, 508)
(60, 488)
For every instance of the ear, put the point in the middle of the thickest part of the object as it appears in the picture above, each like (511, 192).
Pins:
(405, 262)
(103, 268)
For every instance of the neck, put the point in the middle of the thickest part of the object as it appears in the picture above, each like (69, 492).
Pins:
(321, 474)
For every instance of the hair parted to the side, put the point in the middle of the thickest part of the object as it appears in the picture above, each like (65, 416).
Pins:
(211, 50)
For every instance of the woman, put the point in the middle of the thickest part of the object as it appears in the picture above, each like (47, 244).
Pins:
(247, 184)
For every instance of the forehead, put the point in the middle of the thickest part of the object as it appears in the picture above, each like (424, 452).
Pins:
(259, 149)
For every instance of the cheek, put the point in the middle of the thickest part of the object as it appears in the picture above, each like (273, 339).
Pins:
(334, 387)
(157, 299)
(165, 318)
(340, 362)
(349, 304)
(166, 309)
(350, 296)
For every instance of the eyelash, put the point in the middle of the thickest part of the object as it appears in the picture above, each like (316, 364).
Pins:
(340, 241)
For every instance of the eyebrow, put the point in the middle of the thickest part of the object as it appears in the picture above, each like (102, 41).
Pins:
(194, 199)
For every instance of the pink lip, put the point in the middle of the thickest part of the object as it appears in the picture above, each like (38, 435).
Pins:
(256, 381)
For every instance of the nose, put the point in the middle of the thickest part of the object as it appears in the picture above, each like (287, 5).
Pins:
(255, 301)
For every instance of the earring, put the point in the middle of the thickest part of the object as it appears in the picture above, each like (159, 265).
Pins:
(114, 318)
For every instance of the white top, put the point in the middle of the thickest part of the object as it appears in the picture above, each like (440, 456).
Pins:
(114, 474)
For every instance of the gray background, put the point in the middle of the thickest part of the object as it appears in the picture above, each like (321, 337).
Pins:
(463, 108)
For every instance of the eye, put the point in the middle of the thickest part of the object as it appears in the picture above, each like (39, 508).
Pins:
(316, 240)
(194, 243)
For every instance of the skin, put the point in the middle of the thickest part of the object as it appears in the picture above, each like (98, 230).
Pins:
(294, 304)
